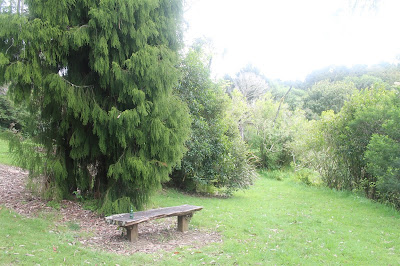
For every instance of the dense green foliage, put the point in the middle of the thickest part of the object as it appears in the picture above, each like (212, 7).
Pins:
(294, 99)
(11, 116)
(101, 75)
(383, 162)
(357, 149)
(382, 155)
(267, 121)
(216, 156)
(349, 140)
(326, 95)
(268, 133)
(365, 81)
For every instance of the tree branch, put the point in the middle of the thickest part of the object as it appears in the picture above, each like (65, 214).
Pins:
(76, 86)
(10, 45)
(280, 103)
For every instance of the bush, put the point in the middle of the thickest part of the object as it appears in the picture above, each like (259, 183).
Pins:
(274, 174)
(383, 162)
(270, 132)
(358, 148)
(216, 159)
(11, 116)
(308, 177)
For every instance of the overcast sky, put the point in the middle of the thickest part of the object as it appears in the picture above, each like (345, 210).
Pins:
(287, 39)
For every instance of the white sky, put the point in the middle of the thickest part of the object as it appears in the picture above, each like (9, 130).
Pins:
(287, 39)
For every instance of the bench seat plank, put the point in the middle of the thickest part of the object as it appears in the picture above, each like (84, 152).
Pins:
(144, 216)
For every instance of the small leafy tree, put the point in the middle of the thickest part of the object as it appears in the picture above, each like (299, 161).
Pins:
(382, 155)
(383, 162)
(100, 75)
(360, 118)
(216, 156)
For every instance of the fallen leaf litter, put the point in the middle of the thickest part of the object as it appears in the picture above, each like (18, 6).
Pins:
(91, 230)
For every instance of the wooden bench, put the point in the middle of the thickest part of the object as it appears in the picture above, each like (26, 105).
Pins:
(184, 213)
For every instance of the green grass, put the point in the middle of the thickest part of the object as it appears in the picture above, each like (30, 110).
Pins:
(26, 241)
(5, 156)
(277, 221)
(282, 222)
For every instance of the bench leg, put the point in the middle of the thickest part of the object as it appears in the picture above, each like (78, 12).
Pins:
(183, 222)
(132, 231)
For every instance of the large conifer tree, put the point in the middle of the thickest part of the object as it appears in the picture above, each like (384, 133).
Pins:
(99, 76)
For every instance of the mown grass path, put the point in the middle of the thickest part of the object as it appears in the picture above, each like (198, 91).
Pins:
(275, 222)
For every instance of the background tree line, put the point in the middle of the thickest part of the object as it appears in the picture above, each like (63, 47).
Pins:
(337, 128)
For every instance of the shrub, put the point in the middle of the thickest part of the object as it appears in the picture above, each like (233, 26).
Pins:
(270, 132)
(383, 162)
(11, 116)
(216, 158)
(358, 148)
(308, 177)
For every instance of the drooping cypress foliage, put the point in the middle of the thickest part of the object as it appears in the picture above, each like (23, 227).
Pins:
(100, 74)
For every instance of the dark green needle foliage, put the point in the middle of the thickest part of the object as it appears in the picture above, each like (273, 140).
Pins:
(99, 75)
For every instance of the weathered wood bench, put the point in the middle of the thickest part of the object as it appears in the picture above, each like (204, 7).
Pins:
(184, 213)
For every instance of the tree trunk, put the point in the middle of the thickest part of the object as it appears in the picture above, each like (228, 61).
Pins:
(279, 108)
(241, 130)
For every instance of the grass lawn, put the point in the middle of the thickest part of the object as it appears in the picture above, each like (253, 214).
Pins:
(274, 222)
(5, 156)
(281, 222)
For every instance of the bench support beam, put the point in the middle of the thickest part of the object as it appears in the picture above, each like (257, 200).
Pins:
(132, 231)
(183, 222)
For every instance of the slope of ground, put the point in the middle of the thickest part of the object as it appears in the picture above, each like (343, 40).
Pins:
(272, 223)
(154, 236)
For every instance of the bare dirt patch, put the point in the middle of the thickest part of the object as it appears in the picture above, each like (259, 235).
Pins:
(92, 230)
